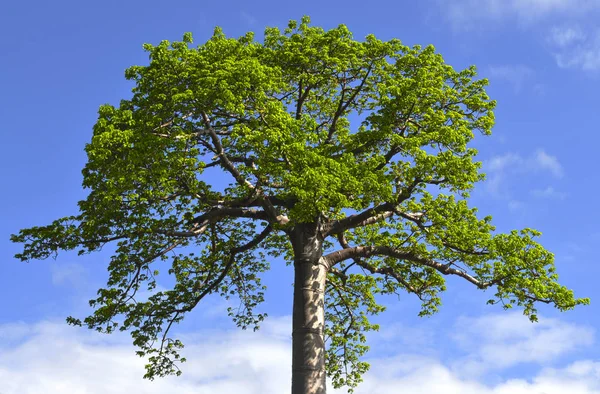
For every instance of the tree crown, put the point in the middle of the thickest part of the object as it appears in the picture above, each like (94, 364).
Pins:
(367, 140)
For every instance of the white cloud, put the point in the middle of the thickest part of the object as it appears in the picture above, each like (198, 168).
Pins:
(547, 162)
(516, 75)
(13, 332)
(467, 14)
(499, 167)
(549, 193)
(565, 36)
(575, 49)
(505, 340)
(51, 357)
(55, 358)
(428, 376)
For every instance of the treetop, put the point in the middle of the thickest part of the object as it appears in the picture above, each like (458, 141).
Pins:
(369, 141)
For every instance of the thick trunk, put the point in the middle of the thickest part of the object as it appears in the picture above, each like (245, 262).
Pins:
(308, 342)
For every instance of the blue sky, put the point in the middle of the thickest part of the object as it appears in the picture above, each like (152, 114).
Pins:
(62, 59)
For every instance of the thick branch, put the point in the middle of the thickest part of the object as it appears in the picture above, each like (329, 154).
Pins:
(366, 217)
(170, 122)
(227, 164)
(233, 212)
(361, 263)
(446, 269)
(302, 95)
(394, 150)
(386, 271)
(270, 210)
(199, 224)
(252, 202)
(343, 106)
(247, 161)
(371, 215)
(369, 251)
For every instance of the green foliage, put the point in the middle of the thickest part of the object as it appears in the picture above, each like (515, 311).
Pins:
(308, 126)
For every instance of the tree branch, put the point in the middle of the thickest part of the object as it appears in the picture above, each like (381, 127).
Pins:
(135, 280)
(342, 107)
(240, 249)
(227, 164)
(386, 271)
(366, 217)
(217, 213)
(416, 219)
(302, 95)
(371, 215)
(270, 210)
(247, 161)
(369, 251)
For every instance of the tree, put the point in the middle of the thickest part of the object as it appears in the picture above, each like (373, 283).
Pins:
(350, 159)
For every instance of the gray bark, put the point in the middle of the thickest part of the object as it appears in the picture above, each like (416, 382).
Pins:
(308, 321)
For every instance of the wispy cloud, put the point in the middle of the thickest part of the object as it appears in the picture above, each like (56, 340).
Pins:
(545, 161)
(53, 358)
(515, 75)
(565, 36)
(68, 274)
(549, 193)
(467, 14)
(572, 46)
(249, 19)
(515, 205)
(500, 163)
(576, 49)
(539, 161)
(499, 167)
(409, 338)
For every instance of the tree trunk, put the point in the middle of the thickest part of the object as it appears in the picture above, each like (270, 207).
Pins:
(308, 321)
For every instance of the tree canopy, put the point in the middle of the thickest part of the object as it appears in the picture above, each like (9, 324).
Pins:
(225, 149)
